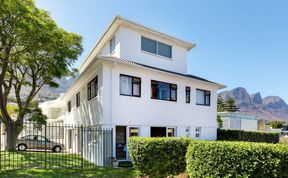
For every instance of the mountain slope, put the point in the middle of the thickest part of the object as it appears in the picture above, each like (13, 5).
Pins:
(270, 107)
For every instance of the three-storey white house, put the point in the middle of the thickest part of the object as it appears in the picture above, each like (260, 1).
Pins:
(135, 81)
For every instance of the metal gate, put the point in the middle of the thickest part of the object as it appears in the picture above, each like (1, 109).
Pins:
(57, 146)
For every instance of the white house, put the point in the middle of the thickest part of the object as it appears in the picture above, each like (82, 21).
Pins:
(135, 81)
(240, 121)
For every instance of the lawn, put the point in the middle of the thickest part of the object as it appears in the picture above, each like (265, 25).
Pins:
(32, 164)
(95, 172)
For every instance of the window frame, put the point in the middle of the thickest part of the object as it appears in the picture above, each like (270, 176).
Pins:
(89, 88)
(157, 48)
(170, 84)
(69, 106)
(205, 103)
(174, 131)
(132, 89)
(187, 98)
(78, 100)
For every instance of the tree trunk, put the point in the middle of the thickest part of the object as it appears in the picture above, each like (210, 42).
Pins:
(12, 135)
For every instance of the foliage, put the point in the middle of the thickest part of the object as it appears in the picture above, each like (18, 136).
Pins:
(236, 159)
(240, 135)
(220, 104)
(219, 121)
(277, 124)
(33, 51)
(125, 164)
(230, 105)
(158, 157)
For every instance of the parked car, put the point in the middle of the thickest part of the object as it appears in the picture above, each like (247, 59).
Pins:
(38, 142)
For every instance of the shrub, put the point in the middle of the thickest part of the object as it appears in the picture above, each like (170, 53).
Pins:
(240, 135)
(158, 157)
(236, 159)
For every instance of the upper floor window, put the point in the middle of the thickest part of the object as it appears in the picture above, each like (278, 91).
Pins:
(92, 88)
(69, 107)
(203, 97)
(112, 44)
(78, 99)
(130, 86)
(156, 47)
(187, 94)
(163, 91)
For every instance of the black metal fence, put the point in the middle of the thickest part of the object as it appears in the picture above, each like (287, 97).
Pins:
(57, 146)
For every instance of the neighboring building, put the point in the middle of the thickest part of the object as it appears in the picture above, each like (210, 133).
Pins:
(240, 121)
(135, 81)
(55, 110)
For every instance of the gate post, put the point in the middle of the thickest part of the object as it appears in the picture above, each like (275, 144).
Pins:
(45, 127)
(82, 147)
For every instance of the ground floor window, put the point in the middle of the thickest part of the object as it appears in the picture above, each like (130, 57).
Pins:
(198, 132)
(133, 131)
(158, 131)
(171, 132)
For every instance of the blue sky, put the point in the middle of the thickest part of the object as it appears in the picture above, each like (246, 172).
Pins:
(239, 43)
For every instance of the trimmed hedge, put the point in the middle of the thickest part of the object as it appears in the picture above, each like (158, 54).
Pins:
(240, 135)
(236, 159)
(158, 157)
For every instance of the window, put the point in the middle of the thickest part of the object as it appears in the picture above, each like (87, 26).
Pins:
(171, 132)
(198, 132)
(112, 45)
(203, 97)
(78, 99)
(163, 91)
(155, 47)
(187, 94)
(133, 131)
(164, 50)
(69, 106)
(92, 88)
(130, 86)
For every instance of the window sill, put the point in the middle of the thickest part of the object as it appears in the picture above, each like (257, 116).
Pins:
(131, 95)
(202, 104)
(175, 101)
(157, 55)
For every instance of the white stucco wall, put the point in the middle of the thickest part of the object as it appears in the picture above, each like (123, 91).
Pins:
(128, 46)
(147, 112)
(249, 125)
(89, 112)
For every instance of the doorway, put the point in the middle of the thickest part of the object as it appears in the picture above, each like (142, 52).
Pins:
(121, 143)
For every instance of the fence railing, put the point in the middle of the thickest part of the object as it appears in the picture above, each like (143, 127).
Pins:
(56, 146)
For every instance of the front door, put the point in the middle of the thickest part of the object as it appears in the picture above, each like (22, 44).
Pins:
(121, 143)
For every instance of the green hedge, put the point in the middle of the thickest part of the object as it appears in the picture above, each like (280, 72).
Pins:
(240, 135)
(236, 159)
(158, 157)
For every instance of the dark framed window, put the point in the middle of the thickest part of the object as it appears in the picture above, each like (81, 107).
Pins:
(187, 94)
(78, 99)
(130, 85)
(156, 47)
(92, 88)
(69, 107)
(112, 44)
(163, 91)
(203, 97)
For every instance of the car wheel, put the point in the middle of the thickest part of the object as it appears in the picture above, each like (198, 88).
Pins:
(56, 148)
(22, 147)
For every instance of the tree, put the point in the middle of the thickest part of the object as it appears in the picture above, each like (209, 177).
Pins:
(33, 51)
(220, 104)
(219, 121)
(230, 105)
(277, 124)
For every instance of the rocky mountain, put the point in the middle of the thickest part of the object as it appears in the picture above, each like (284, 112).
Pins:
(47, 93)
(269, 108)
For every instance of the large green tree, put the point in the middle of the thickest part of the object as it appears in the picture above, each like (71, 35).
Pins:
(33, 51)
(230, 105)
(220, 104)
